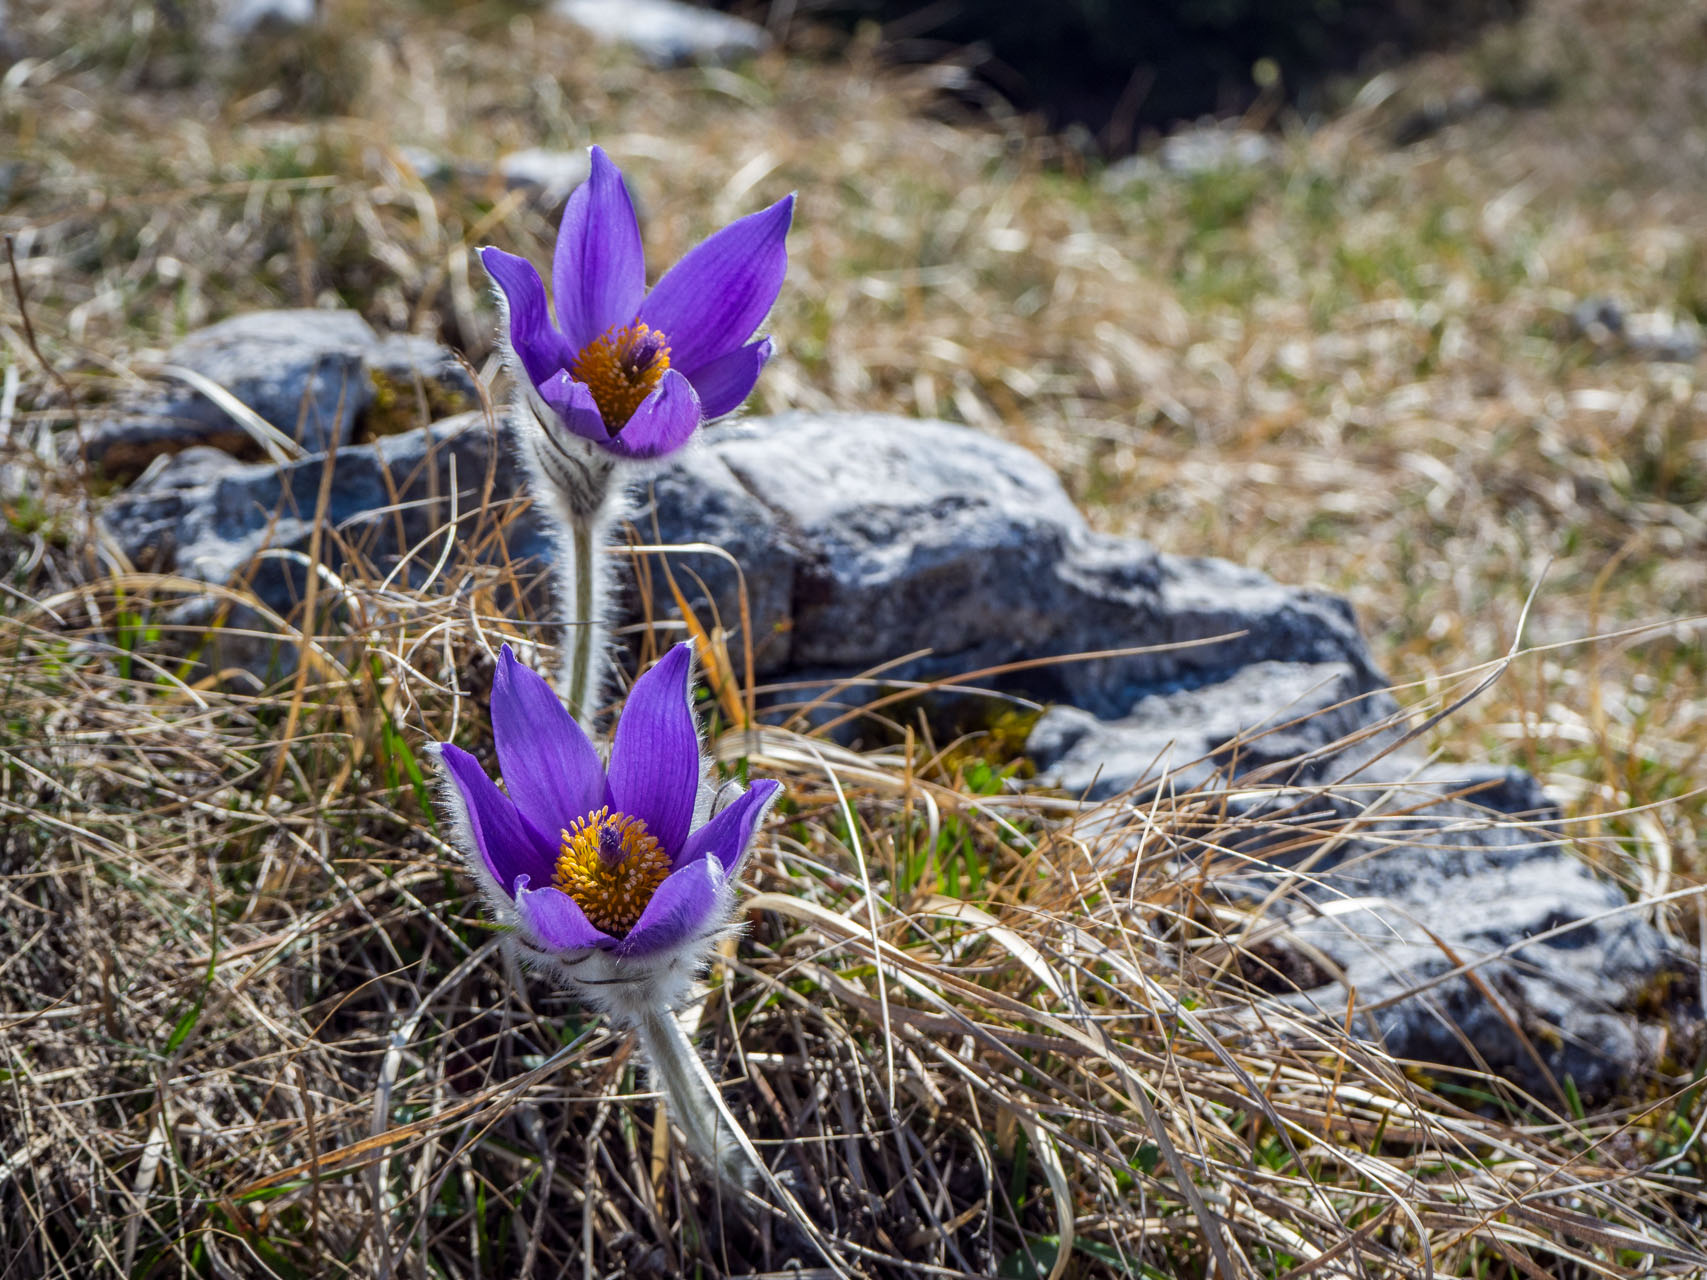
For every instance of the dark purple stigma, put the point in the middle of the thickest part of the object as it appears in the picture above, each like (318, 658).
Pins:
(611, 852)
(642, 353)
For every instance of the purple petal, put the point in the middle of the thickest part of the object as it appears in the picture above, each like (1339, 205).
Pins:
(552, 772)
(574, 406)
(510, 847)
(681, 907)
(654, 758)
(537, 345)
(555, 921)
(598, 273)
(727, 836)
(710, 302)
(725, 382)
(663, 423)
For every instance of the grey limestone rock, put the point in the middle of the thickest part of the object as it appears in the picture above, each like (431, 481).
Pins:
(668, 33)
(1214, 147)
(1206, 147)
(206, 516)
(1283, 720)
(236, 20)
(310, 374)
(909, 536)
(1413, 871)
(552, 174)
(863, 538)
(1407, 892)
(1650, 335)
(426, 164)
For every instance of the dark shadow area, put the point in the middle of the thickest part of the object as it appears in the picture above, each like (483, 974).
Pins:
(1120, 67)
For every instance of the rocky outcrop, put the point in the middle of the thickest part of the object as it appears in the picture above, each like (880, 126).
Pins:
(1437, 894)
(863, 538)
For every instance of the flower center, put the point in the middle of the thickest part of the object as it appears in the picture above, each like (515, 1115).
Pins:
(621, 369)
(611, 865)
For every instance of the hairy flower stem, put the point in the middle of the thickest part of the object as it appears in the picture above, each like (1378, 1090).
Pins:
(690, 1098)
(582, 635)
(582, 494)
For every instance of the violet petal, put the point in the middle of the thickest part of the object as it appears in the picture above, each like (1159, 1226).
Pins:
(598, 273)
(553, 920)
(710, 302)
(574, 406)
(727, 835)
(552, 772)
(508, 844)
(654, 759)
(681, 907)
(663, 423)
(536, 343)
(725, 382)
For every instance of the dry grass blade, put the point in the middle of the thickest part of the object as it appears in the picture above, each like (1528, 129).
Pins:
(274, 443)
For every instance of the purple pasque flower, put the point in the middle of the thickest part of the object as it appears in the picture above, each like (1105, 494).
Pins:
(610, 874)
(632, 371)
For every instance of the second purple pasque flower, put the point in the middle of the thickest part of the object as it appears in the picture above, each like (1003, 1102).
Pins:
(636, 371)
(615, 876)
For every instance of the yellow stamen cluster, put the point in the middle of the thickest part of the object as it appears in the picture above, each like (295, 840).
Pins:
(621, 368)
(611, 865)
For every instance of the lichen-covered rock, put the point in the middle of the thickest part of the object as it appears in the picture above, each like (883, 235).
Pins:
(414, 380)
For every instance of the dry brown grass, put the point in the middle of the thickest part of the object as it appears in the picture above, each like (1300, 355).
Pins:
(250, 1022)
(254, 1025)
